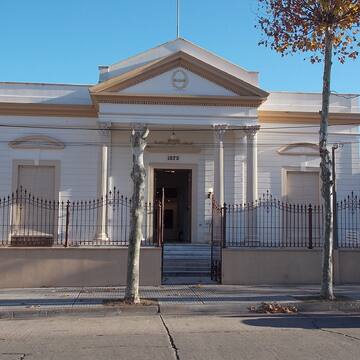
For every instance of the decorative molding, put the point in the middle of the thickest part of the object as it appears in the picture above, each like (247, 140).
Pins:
(180, 148)
(37, 142)
(251, 131)
(233, 101)
(312, 149)
(173, 145)
(40, 109)
(185, 61)
(104, 128)
(220, 130)
(179, 79)
(303, 117)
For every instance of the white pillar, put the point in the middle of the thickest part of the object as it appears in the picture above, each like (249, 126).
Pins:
(219, 176)
(251, 184)
(251, 164)
(240, 166)
(102, 189)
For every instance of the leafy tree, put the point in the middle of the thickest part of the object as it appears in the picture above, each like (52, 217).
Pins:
(322, 29)
(138, 141)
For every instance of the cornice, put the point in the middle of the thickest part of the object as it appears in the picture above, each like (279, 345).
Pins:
(39, 109)
(234, 101)
(298, 117)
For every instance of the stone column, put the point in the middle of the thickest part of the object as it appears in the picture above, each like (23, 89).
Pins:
(219, 175)
(239, 167)
(251, 164)
(251, 183)
(103, 176)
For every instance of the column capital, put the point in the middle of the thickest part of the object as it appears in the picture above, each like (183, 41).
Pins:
(220, 130)
(251, 131)
(104, 128)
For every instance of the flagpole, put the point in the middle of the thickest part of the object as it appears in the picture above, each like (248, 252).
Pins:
(177, 19)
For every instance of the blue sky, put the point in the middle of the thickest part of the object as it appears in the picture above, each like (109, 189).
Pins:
(64, 40)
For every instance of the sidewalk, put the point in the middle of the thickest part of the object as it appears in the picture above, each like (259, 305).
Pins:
(171, 299)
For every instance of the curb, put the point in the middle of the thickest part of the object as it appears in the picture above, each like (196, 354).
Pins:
(344, 306)
(243, 309)
(85, 311)
(179, 309)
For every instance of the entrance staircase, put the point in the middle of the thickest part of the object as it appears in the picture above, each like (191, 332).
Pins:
(187, 260)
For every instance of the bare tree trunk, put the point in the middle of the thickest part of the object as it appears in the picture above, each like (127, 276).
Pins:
(138, 141)
(325, 166)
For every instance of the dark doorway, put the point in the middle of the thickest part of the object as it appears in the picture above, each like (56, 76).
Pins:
(176, 186)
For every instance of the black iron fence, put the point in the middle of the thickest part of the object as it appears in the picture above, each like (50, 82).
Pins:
(271, 223)
(217, 239)
(26, 220)
(348, 222)
(29, 221)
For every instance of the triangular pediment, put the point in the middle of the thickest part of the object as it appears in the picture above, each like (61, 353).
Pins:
(179, 75)
(178, 81)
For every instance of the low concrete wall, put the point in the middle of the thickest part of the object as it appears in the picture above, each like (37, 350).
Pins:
(286, 266)
(271, 266)
(348, 266)
(47, 267)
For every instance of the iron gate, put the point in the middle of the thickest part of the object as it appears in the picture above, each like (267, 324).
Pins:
(218, 220)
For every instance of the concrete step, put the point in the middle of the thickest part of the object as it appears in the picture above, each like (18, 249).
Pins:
(189, 267)
(186, 273)
(190, 258)
(186, 260)
(184, 254)
(189, 254)
(187, 247)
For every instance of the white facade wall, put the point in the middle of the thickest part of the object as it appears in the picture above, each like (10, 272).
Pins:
(78, 160)
(270, 163)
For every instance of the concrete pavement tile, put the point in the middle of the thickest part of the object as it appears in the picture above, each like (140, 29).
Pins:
(87, 338)
(260, 338)
(211, 295)
(175, 294)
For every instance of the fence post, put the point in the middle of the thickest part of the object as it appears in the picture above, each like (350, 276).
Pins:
(335, 222)
(310, 210)
(224, 226)
(67, 223)
(212, 238)
(159, 224)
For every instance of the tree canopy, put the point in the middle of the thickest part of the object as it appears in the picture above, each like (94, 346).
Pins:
(291, 26)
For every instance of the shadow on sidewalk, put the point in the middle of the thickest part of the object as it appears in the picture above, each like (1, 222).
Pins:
(310, 322)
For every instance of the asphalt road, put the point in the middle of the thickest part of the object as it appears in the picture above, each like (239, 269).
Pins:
(158, 337)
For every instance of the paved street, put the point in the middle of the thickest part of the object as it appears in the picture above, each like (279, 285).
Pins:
(154, 337)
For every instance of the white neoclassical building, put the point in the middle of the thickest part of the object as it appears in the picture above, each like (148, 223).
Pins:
(212, 129)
